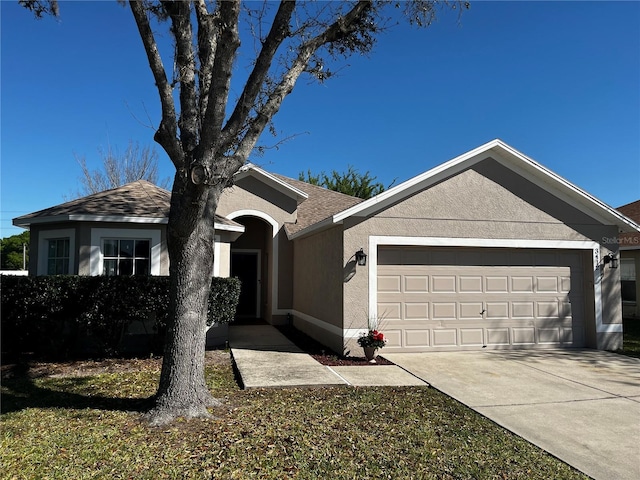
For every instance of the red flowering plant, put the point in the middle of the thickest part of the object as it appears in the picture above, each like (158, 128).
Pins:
(373, 339)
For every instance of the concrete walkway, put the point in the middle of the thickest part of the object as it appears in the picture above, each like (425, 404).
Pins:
(266, 358)
(583, 406)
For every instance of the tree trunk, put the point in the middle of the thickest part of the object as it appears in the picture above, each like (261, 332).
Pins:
(190, 239)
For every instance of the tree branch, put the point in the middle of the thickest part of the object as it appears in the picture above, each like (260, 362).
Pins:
(218, 94)
(207, 44)
(180, 14)
(166, 135)
(279, 31)
(340, 28)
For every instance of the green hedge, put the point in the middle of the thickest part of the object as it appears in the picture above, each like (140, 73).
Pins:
(74, 316)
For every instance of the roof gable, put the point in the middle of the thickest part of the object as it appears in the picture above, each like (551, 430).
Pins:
(274, 181)
(313, 203)
(508, 157)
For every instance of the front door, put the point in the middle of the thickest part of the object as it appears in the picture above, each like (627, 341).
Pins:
(245, 264)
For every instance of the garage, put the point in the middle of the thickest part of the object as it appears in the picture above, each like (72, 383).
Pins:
(431, 298)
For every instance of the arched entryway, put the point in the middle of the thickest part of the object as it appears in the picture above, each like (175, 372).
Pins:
(251, 262)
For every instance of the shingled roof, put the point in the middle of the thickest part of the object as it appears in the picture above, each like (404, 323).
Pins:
(321, 204)
(630, 240)
(140, 201)
(143, 202)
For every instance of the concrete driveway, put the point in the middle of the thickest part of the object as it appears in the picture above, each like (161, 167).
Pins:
(583, 406)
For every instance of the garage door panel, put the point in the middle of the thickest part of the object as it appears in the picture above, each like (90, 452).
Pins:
(470, 310)
(468, 284)
(393, 337)
(566, 336)
(416, 311)
(522, 284)
(390, 311)
(547, 284)
(495, 284)
(549, 335)
(465, 306)
(417, 338)
(444, 311)
(497, 310)
(389, 283)
(416, 283)
(445, 337)
(443, 284)
(471, 336)
(524, 335)
(548, 309)
(522, 309)
(498, 336)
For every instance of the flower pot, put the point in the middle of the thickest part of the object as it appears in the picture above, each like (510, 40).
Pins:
(370, 354)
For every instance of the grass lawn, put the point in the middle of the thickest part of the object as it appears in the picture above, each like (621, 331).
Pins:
(83, 421)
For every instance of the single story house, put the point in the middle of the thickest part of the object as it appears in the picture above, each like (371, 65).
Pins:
(488, 250)
(630, 263)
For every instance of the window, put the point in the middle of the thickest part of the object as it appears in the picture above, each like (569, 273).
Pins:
(56, 252)
(628, 279)
(58, 256)
(152, 257)
(126, 256)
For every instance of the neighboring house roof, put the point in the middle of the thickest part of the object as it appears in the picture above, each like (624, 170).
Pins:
(630, 241)
(321, 204)
(136, 202)
(506, 156)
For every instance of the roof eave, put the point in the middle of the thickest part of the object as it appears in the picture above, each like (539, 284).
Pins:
(27, 222)
(553, 182)
(311, 229)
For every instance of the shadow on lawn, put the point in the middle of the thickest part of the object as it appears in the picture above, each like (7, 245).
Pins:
(19, 392)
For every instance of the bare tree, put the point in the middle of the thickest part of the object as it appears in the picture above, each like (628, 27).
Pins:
(208, 134)
(118, 169)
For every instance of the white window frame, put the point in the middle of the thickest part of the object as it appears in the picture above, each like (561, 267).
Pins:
(96, 258)
(43, 249)
(133, 257)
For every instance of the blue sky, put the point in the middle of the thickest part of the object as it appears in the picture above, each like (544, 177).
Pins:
(559, 81)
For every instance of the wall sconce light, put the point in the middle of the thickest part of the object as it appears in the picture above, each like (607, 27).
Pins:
(611, 259)
(361, 258)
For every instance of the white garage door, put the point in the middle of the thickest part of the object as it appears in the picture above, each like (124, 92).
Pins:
(462, 298)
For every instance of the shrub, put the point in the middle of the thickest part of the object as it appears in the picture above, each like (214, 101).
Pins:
(70, 316)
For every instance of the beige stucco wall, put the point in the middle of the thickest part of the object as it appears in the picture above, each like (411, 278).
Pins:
(318, 272)
(488, 202)
(250, 194)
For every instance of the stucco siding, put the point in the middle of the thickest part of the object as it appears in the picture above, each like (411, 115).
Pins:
(487, 201)
(318, 271)
(285, 271)
(251, 194)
